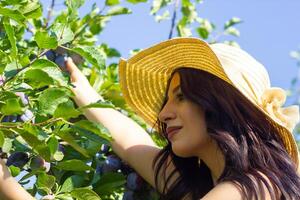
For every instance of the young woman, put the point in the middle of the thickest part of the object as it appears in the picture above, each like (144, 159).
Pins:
(228, 135)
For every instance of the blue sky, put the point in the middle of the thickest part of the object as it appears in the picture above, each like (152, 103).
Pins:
(270, 30)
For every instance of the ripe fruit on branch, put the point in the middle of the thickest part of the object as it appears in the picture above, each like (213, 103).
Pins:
(24, 97)
(50, 55)
(111, 164)
(27, 116)
(128, 195)
(104, 149)
(10, 118)
(134, 181)
(18, 159)
(37, 162)
(60, 61)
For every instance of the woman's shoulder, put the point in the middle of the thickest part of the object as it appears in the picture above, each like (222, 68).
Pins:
(224, 189)
(232, 190)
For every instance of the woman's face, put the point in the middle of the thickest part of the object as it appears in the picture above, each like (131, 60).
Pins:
(191, 139)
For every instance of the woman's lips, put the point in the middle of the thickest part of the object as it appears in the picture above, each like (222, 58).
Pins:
(172, 131)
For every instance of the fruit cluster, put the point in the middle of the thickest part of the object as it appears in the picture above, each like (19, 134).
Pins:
(27, 114)
(135, 188)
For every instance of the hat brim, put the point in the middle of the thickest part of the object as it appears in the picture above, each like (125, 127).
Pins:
(144, 78)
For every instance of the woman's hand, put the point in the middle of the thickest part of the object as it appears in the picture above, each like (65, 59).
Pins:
(84, 92)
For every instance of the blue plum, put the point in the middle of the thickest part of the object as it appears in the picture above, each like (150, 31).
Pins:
(37, 162)
(24, 97)
(134, 181)
(50, 54)
(128, 195)
(111, 164)
(18, 159)
(10, 118)
(27, 116)
(60, 61)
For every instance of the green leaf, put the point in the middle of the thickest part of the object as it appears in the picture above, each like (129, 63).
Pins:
(31, 10)
(110, 182)
(13, 2)
(110, 52)
(11, 69)
(99, 104)
(66, 136)
(233, 21)
(63, 33)
(11, 106)
(71, 183)
(136, 1)
(118, 10)
(95, 56)
(44, 41)
(94, 128)
(164, 16)
(74, 4)
(157, 5)
(15, 171)
(66, 110)
(183, 31)
(37, 78)
(50, 99)
(11, 36)
(232, 31)
(53, 144)
(2, 139)
(45, 180)
(52, 70)
(112, 2)
(203, 33)
(73, 165)
(13, 14)
(3, 60)
(7, 145)
(36, 139)
(85, 194)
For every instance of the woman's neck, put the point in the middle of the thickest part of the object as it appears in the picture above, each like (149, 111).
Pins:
(214, 159)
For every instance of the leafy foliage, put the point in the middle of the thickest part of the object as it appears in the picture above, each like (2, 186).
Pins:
(69, 156)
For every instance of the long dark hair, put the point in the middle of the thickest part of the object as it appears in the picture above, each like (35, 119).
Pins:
(246, 136)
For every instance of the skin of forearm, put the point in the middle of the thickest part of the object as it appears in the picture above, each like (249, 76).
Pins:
(124, 131)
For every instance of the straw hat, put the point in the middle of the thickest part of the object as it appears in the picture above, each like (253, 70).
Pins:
(144, 77)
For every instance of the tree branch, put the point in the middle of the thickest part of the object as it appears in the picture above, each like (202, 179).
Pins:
(49, 13)
(173, 19)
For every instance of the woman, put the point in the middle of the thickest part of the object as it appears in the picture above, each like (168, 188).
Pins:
(228, 135)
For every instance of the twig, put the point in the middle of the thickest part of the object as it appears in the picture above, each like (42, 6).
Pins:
(86, 25)
(49, 121)
(173, 18)
(49, 13)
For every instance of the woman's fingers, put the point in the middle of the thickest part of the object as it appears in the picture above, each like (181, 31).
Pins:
(75, 73)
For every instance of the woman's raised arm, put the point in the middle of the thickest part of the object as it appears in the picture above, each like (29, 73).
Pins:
(131, 142)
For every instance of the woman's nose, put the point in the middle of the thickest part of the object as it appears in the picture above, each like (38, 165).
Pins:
(166, 114)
